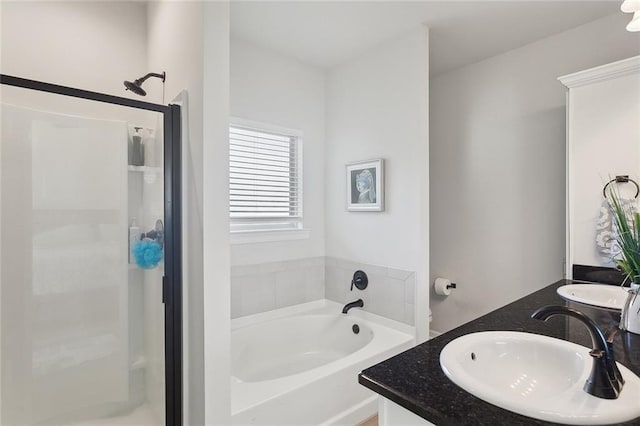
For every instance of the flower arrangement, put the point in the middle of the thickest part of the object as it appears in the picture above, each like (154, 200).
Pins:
(627, 221)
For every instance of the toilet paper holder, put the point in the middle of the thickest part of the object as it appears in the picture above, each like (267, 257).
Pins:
(443, 286)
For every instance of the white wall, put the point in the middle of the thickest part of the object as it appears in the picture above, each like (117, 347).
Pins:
(269, 88)
(189, 40)
(377, 108)
(216, 214)
(498, 168)
(88, 45)
(176, 47)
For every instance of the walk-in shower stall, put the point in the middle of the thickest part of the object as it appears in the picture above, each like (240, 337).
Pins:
(90, 290)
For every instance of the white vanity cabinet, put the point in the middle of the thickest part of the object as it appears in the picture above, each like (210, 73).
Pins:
(391, 414)
(603, 141)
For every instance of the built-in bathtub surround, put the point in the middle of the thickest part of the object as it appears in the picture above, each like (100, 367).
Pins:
(273, 285)
(390, 292)
(267, 286)
(287, 364)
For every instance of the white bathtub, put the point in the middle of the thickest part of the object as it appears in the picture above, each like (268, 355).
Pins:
(299, 365)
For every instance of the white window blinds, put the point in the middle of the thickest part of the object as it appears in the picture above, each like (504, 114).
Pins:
(264, 180)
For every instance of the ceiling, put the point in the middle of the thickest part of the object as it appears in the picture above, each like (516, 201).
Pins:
(327, 33)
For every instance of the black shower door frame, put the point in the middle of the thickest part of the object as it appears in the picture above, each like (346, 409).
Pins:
(172, 279)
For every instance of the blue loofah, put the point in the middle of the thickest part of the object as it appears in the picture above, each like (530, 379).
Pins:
(147, 253)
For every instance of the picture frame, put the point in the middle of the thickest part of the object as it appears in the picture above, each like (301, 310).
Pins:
(365, 186)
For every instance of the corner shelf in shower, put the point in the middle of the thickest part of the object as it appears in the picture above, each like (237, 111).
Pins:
(145, 169)
(140, 362)
(149, 174)
(134, 267)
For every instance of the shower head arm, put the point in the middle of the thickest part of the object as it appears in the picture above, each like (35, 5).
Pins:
(151, 74)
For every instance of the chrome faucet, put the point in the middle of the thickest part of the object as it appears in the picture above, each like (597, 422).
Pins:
(605, 380)
(357, 304)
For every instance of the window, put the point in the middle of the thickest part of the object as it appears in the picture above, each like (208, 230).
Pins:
(265, 179)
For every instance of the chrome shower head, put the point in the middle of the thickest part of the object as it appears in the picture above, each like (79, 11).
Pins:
(136, 86)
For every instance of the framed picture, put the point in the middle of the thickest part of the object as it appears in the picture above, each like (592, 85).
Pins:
(365, 186)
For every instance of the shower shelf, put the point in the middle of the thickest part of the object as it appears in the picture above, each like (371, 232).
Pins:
(145, 169)
(140, 362)
(134, 267)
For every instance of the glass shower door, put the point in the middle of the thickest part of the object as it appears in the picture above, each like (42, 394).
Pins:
(82, 261)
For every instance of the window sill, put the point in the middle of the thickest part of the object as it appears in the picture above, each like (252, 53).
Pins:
(249, 237)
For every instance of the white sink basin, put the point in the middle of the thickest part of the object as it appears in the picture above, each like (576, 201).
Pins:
(610, 297)
(537, 376)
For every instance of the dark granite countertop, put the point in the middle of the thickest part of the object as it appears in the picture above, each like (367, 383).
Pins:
(415, 381)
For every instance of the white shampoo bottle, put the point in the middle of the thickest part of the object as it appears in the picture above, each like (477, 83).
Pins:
(134, 235)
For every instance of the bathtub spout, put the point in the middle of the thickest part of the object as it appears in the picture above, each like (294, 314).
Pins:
(357, 304)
